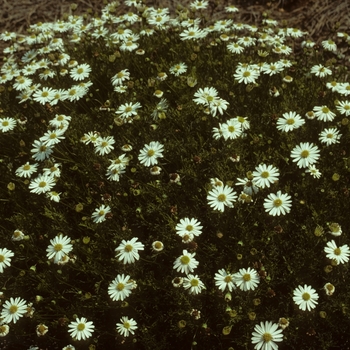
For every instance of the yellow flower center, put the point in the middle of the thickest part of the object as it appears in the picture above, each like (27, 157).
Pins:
(194, 282)
(120, 286)
(246, 74)
(325, 110)
(13, 309)
(26, 167)
(305, 153)
(57, 247)
(306, 296)
(42, 184)
(265, 174)
(290, 121)
(126, 325)
(337, 251)
(228, 279)
(150, 153)
(277, 202)
(2, 258)
(80, 70)
(189, 228)
(247, 277)
(128, 248)
(81, 327)
(185, 260)
(267, 337)
(44, 94)
(221, 197)
(231, 128)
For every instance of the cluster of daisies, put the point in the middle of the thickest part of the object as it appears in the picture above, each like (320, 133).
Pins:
(46, 74)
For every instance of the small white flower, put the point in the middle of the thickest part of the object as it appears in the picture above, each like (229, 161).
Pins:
(277, 204)
(81, 329)
(305, 297)
(128, 251)
(127, 326)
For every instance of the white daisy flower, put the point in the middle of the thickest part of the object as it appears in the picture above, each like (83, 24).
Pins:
(305, 297)
(343, 107)
(329, 45)
(104, 145)
(128, 109)
(178, 69)
(12, 310)
(305, 154)
(42, 184)
(265, 175)
(329, 136)
(339, 254)
(323, 113)
(193, 284)
(99, 215)
(313, 171)
(247, 75)
(232, 129)
(246, 279)
(277, 204)
(7, 124)
(128, 251)
(185, 263)
(290, 121)
(80, 329)
(60, 247)
(189, 226)
(27, 170)
(265, 335)
(320, 71)
(224, 280)
(127, 326)
(52, 137)
(219, 197)
(149, 154)
(5, 258)
(121, 287)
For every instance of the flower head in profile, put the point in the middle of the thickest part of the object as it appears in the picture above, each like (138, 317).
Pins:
(305, 154)
(5, 258)
(185, 263)
(329, 288)
(150, 153)
(127, 326)
(81, 329)
(12, 310)
(128, 251)
(246, 279)
(339, 254)
(305, 297)
(265, 335)
(277, 204)
(221, 196)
